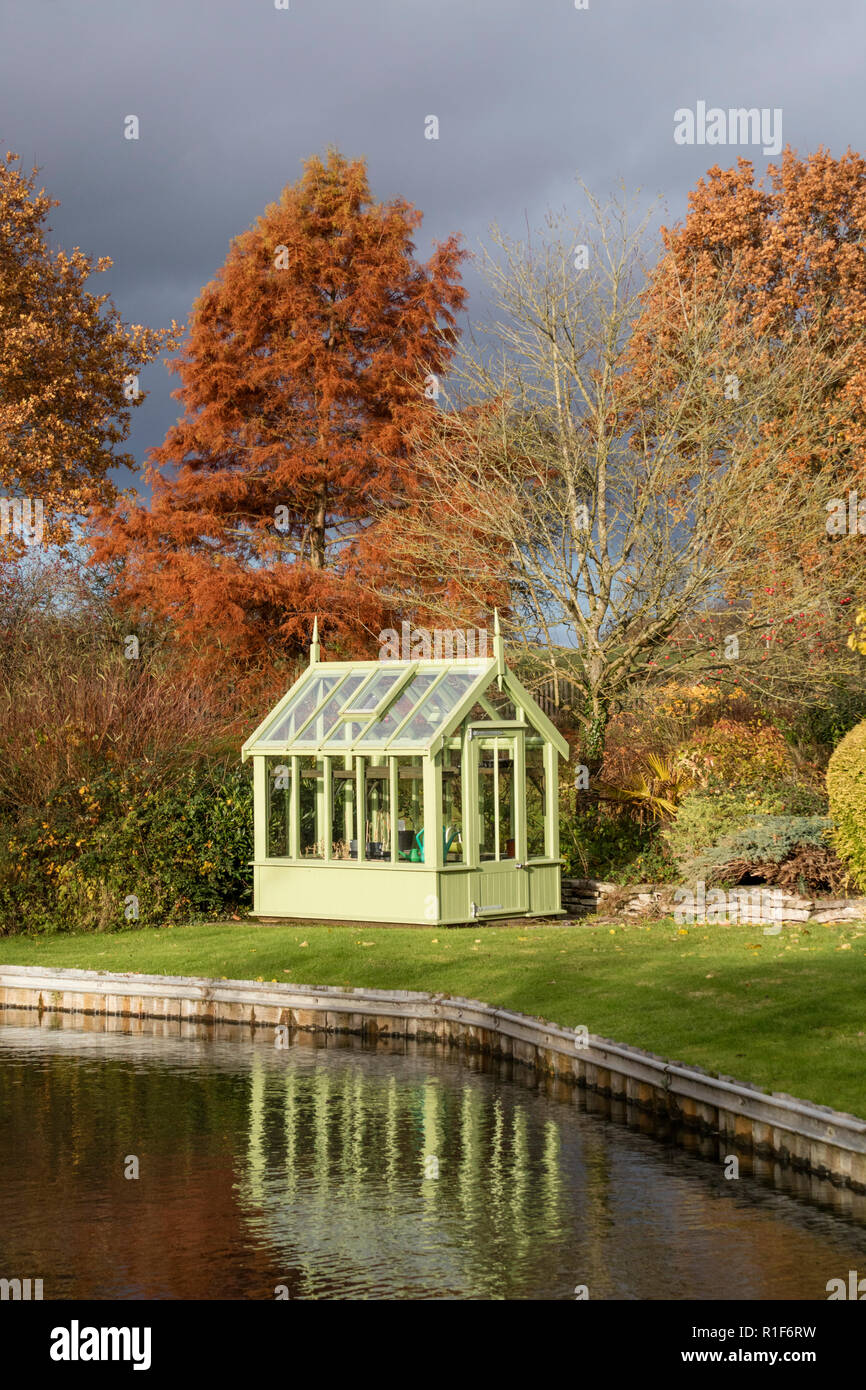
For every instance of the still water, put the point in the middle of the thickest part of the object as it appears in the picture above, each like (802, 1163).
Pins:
(344, 1172)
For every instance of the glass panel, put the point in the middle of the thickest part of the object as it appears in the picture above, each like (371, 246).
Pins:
(486, 803)
(378, 688)
(496, 800)
(377, 815)
(536, 803)
(452, 809)
(326, 717)
(278, 775)
(345, 838)
(505, 795)
(410, 810)
(300, 707)
(312, 798)
(500, 702)
(380, 731)
(345, 733)
(438, 705)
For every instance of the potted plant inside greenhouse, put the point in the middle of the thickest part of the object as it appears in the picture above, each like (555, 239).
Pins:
(406, 791)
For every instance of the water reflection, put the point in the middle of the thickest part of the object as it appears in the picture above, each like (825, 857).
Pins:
(315, 1167)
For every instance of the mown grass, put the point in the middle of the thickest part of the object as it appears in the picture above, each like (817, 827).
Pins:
(786, 1012)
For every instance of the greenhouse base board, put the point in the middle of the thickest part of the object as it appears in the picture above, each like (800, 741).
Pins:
(561, 919)
(410, 894)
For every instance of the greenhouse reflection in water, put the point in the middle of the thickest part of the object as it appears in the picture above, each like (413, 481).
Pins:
(346, 1172)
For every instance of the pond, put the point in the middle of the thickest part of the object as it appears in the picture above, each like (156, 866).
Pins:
(344, 1171)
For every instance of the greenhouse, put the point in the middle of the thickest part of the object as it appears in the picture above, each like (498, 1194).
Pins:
(406, 791)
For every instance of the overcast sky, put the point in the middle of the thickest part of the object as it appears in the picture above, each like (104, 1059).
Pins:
(232, 96)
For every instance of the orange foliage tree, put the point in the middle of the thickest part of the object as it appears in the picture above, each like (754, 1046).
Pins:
(787, 253)
(308, 364)
(68, 368)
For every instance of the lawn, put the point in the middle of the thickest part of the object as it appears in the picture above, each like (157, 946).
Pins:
(787, 1012)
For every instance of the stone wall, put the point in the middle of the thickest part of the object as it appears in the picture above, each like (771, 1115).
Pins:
(582, 896)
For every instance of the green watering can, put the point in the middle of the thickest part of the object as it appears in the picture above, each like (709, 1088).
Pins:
(416, 854)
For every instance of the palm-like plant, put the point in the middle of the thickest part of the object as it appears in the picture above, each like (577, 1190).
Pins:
(655, 792)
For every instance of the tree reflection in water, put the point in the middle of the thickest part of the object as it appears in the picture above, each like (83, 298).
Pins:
(342, 1171)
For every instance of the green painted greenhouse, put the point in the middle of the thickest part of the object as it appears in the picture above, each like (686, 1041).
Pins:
(406, 791)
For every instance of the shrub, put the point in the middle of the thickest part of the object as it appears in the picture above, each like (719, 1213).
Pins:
(810, 869)
(615, 847)
(819, 728)
(846, 788)
(707, 814)
(76, 699)
(738, 753)
(180, 848)
(768, 840)
(651, 794)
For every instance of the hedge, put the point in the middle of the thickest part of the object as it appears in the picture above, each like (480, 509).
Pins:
(846, 788)
(129, 848)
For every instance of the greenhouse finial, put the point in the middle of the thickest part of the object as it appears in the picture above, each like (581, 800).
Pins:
(314, 645)
(498, 648)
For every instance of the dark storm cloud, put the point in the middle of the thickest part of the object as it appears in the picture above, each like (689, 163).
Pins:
(232, 95)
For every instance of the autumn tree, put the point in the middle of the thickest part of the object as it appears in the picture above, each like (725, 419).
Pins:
(311, 354)
(617, 505)
(786, 251)
(68, 370)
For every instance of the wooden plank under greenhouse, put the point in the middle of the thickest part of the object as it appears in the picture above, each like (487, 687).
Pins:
(408, 792)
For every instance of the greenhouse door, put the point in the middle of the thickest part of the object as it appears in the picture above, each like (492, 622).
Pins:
(501, 885)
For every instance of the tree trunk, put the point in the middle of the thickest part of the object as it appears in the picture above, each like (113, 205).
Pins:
(317, 531)
(596, 713)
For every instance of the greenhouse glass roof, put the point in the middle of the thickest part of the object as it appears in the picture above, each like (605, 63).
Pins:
(376, 707)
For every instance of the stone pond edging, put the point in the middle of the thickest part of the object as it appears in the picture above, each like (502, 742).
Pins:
(809, 1138)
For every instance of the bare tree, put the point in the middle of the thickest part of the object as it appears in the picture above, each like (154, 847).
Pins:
(609, 501)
